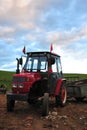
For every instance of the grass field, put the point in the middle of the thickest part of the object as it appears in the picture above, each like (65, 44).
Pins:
(81, 76)
(6, 77)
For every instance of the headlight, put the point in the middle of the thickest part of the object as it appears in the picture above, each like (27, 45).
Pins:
(20, 86)
(14, 86)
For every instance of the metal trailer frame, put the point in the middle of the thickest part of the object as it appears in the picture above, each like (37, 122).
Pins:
(77, 88)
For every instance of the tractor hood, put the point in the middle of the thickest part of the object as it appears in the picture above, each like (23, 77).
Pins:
(26, 77)
(22, 82)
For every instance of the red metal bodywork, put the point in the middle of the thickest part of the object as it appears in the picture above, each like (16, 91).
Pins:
(38, 75)
(30, 79)
(59, 83)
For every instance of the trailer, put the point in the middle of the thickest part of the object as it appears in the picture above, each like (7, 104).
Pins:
(76, 88)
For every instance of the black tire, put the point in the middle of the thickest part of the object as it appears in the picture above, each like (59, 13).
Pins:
(62, 97)
(10, 105)
(79, 99)
(45, 105)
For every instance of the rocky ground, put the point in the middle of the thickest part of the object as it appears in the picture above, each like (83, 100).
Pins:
(26, 117)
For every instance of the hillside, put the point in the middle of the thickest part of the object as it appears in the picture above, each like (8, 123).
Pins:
(6, 77)
(81, 76)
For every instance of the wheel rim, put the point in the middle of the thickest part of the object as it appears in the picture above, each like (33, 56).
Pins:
(63, 95)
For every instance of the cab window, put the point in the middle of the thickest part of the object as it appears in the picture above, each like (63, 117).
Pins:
(59, 65)
(54, 66)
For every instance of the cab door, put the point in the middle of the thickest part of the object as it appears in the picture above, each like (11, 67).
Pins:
(55, 75)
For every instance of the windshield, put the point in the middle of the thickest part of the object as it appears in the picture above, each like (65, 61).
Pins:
(36, 63)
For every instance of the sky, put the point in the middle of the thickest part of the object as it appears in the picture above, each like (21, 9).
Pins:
(36, 24)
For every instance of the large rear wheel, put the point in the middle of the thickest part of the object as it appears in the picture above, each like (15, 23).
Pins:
(45, 105)
(62, 97)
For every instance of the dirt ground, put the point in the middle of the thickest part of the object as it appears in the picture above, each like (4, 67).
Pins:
(26, 117)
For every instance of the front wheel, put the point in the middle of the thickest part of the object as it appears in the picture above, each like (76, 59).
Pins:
(62, 97)
(45, 105)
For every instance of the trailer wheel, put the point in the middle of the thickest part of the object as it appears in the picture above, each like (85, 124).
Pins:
(10, 105)
(79, 99)
(62, 97)
(45, 105)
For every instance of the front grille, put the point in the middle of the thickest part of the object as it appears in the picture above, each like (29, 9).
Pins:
(19, 79)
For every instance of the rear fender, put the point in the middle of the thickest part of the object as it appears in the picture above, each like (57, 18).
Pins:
(58, 86)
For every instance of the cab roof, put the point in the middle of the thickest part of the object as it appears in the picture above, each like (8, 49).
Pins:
(43, 52)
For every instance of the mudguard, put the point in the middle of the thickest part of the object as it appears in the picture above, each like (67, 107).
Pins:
(58, 86)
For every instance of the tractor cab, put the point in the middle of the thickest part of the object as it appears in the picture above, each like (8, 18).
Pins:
(43, 62)
(47, 65)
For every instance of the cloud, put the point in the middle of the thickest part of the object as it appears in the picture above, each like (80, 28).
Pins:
(36, 24)
(73, 60)
(38, 15)
(6, 31)
(5, 6)
(70, 65)
(11, 67)
(67, 37)
(28, 11)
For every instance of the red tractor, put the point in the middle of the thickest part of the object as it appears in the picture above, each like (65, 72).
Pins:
(40, 78)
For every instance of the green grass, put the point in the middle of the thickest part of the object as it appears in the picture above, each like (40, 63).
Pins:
(81, 76)
(6, 77)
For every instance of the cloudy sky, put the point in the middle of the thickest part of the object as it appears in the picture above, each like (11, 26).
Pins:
(38, 23)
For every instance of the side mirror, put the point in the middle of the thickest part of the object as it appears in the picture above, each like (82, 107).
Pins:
(21, 61)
